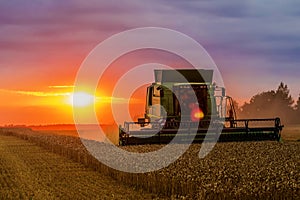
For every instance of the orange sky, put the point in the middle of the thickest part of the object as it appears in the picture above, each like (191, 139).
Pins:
(43, 43)
(45, 97)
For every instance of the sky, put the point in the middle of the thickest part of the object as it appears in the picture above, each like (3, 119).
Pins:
(255, 44)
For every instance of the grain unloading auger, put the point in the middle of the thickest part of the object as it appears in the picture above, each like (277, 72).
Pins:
(185, 102)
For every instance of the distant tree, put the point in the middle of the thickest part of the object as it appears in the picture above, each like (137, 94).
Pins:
(283, 96)
(270, 104)
(297, 106)
(296, 118)
(258, 105)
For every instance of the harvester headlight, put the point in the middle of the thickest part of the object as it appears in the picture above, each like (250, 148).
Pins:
(197, 114)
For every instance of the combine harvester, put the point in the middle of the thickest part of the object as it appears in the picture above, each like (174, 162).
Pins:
(185, 101)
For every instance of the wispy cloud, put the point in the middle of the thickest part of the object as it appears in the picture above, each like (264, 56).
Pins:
(240, 35)
(61, 86)
(98, 99)
(37, 93)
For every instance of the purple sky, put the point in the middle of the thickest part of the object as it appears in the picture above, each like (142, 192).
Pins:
(255, 44)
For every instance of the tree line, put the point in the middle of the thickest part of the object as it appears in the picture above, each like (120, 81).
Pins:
(270, 104)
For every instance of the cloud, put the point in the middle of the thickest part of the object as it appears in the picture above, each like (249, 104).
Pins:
(261, 35)
(37, 93)
(55, 25)
(61, 86)
(99, 99)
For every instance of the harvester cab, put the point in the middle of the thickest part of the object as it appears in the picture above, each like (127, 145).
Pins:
(190, 99)
(181, 95)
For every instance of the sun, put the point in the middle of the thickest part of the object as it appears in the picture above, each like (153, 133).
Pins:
(81, 99)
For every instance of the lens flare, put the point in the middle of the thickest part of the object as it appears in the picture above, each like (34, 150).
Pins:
(197, 114)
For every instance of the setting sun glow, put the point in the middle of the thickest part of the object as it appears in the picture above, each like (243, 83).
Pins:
(81, 99)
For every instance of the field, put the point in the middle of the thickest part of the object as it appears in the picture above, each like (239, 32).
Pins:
(291, 132)
(31, 172)
(248, 170)
(88, 132)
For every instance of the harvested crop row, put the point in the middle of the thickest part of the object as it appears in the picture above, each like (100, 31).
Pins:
(31, 172)
(232, 170)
